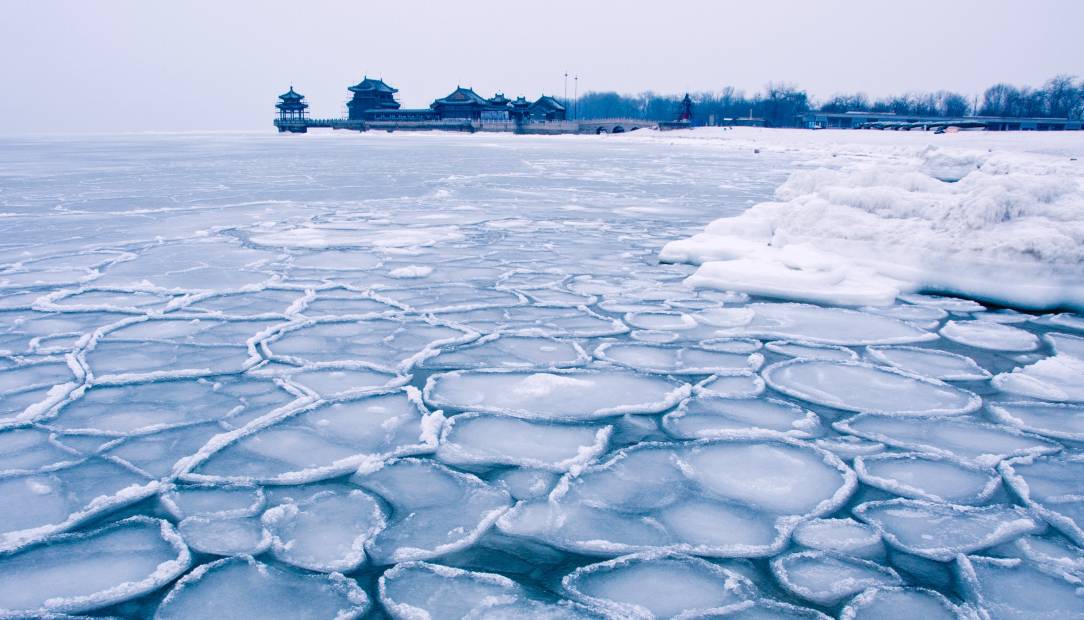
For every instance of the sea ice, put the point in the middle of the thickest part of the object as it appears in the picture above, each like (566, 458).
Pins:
(225, 535)
(896, 603)
(417, 590)
(979, 443)
(484, 439)
(146, 407)
(855, 386)
(810, 351)
(320, 441)
(1058, 378)
(712, 416)
(866, 229)
(72, 573)
(931, 363)
(826, 579)
(676, 360)
(731, 385)
(646, 586)
(510, 351)
(384, 343)
(991, 336)
(242, 588)
(1053, 487)
(568, 395)
(58, 499)
(751, 491)
(819, 325)
(212, 500)
(435, 510)
(1013, 589)
(1054, 420)
(325, 533)
(928, 477)
(940, 531)
(841, 536)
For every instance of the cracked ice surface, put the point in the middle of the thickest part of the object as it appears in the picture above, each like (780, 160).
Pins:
(437, 376)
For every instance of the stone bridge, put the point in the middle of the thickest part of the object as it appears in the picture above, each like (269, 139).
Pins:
(613, 125)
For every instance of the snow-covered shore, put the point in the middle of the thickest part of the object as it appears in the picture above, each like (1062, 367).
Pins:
(996, 217)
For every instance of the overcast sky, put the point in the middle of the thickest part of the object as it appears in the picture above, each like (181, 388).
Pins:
(153, 65)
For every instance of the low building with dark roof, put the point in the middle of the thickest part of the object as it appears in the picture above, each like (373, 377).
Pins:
(547, 108)
(370, 94)
(460, 103)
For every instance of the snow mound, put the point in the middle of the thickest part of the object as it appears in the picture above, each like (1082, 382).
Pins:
(1002, 227)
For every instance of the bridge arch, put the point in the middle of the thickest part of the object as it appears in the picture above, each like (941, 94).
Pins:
(618, 129)
(600, 131)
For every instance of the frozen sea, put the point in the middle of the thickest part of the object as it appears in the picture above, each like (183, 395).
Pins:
(448, 376)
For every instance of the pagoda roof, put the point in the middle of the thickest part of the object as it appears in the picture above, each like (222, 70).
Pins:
(291, 95)
(549, 102)
(499, 99)
(369, 84)
(462, 96)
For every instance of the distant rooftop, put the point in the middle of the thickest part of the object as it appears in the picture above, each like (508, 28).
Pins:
(369, 84)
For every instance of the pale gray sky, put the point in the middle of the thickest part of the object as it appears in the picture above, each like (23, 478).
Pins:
(147, 65)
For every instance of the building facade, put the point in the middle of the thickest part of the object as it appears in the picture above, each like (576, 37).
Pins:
(370, 94)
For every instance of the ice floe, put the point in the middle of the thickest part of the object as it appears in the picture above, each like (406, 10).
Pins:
(483, 439)
(941, 531)
(319, 441)
(929, 477)
(663, 496)
(73, 573)
(47, 502)
(808, 350)
(1053, 487)
(841, 536)
(676, 360)
(225, 535)
(568, 395)
(898, 603)
(435, 510)
(656, 585)
(819, 325)
(327, 532)
(1058, 378)
(1014, 589)
(414, 590)
(931, 363)
(510, 351)
(713, 416)
(827, 579)
(976, 442)
(1054, 420)
(241, 588)
(991, 336)
(855, 386)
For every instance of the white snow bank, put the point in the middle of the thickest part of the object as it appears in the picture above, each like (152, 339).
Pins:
(1005, 226)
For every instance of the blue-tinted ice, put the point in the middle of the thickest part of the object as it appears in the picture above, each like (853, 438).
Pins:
(434, 376)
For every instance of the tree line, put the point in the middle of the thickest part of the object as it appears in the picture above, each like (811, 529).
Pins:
(780, 103)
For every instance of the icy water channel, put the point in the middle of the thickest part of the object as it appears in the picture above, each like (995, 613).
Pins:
(395, 375)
